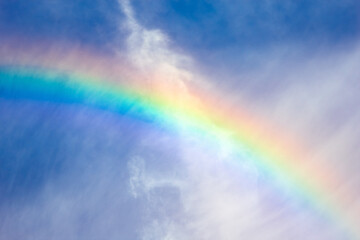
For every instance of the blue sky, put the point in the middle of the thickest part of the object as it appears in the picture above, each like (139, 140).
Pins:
(73, 172)
(222, 24)
(86, 22)
(192, 25)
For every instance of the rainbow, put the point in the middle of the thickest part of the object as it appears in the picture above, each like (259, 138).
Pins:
(83, 79)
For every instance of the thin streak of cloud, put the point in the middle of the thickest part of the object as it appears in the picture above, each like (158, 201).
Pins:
(150, 51)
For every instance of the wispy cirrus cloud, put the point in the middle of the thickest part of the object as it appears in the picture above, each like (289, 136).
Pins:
(302, 96)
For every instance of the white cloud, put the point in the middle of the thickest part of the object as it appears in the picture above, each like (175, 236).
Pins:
(149, 50)
(222, 196)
